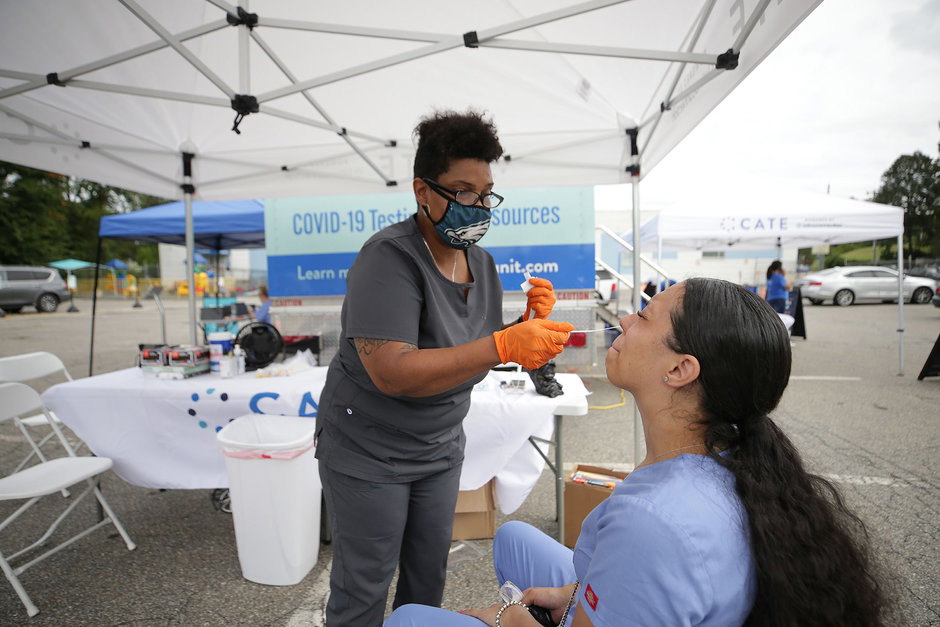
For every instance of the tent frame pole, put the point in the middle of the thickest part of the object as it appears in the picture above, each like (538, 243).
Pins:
(639, 439)
(94, 307)
(188, 191)
(900, 304)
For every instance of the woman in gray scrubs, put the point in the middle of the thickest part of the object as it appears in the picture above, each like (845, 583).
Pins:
(421, 325)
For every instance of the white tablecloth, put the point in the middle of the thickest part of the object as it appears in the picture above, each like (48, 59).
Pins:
(162, 433)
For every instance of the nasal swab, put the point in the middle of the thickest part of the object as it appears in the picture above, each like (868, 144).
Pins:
(599, 330)
(528, 286)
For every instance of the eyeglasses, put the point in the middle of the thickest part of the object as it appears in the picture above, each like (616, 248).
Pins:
(465, 196)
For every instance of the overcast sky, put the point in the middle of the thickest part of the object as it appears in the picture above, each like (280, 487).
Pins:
(854, 87)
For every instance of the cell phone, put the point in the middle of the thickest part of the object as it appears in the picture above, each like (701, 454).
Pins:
(542, 615)
(510, 592)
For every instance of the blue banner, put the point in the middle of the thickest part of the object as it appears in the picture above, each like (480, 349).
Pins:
(567, 266)
(312, 242)
(308, 275)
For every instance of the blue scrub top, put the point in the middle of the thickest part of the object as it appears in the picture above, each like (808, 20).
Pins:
(668, 547)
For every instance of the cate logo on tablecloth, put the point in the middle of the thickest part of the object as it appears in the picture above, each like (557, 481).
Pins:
(256, 404)
(195, 399)
(590, 597)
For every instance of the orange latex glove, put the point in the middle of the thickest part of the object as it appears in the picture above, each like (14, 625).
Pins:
(532, 343)
(539, 299)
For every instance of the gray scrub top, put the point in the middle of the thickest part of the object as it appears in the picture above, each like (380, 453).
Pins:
(394, 291)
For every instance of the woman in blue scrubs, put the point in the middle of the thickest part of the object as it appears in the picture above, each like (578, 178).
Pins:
(720, 524)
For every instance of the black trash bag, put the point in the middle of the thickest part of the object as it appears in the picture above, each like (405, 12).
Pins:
(544, 380)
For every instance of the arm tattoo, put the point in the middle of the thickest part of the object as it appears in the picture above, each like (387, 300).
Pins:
(368, 346)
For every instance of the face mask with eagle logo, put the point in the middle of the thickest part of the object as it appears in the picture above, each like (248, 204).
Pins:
(461, 226)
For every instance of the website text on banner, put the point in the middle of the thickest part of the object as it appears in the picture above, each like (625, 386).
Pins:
(311, 242)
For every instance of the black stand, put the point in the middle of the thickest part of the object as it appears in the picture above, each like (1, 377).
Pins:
(796, 310)
(932, 365)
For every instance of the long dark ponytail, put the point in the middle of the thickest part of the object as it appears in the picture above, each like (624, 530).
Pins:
(811, 552)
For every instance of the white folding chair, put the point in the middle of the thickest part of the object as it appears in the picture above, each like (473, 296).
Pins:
(29, 367)
(43, 479)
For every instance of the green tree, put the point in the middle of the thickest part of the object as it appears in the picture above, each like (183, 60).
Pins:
(913, 183)
(33, 218)
(46, 216)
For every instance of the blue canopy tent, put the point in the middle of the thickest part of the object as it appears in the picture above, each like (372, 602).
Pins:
(216, 225)
(116, 264)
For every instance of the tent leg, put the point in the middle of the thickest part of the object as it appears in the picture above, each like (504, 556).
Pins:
(94, 306)
(188, 191)
(900, 305)
(639, 439)
(72, 308)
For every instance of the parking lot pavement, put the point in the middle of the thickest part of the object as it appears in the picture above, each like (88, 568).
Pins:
(853, 418)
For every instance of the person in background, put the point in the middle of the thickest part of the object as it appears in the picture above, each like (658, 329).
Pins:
(650, 290)
(778, 290)
(720, 524)
(262, 313)
(421, 325)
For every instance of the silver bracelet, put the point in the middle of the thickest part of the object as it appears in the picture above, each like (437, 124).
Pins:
(503, 609)
(577, 584)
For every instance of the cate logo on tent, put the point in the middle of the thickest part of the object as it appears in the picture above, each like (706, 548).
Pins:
(749, 223)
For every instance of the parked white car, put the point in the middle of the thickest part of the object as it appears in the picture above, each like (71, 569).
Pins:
(848, 284)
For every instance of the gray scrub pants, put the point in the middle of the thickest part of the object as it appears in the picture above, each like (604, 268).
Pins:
(377, 526)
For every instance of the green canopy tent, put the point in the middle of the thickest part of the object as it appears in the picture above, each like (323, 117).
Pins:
(68, 265)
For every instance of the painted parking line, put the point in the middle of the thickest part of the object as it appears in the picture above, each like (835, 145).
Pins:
(312, 610)
(893, 482)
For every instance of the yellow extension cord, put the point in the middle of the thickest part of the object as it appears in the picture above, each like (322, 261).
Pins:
(622, 402)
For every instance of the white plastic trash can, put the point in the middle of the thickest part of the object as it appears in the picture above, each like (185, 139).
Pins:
(275, 490)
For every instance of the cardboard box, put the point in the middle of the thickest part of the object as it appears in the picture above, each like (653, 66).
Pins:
(581, 498)
(475, 514)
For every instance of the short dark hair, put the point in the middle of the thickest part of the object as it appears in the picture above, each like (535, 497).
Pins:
(445, 136)
(262, 290)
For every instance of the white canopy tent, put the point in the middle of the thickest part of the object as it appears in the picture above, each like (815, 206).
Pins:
(719, 215)
(210, 101)
(751, 216)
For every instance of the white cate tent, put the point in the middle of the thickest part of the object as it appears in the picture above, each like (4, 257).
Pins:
(745, 215)
(718, 215)
(209, 100)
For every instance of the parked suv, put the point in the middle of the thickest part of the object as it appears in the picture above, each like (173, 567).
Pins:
(34, 286)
